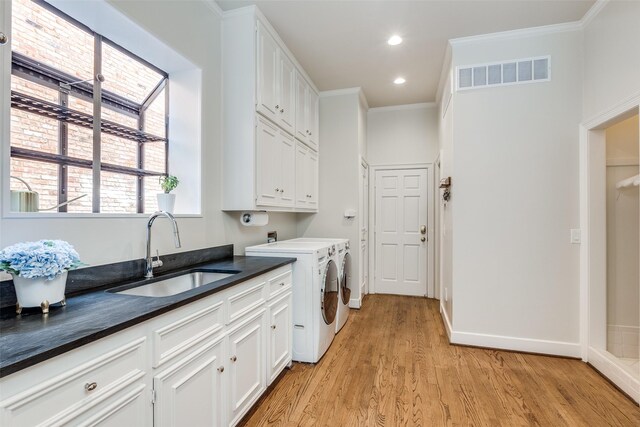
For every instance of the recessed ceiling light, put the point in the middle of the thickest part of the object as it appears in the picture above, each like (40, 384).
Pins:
(395, 40)
(399, 80)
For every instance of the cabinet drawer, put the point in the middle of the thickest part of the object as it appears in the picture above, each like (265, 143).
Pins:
(62, 398)
(279, 284)
(246, 300)
(186, 332)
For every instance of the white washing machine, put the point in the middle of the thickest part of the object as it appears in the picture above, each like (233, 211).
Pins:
(315, 294)
(342, 258)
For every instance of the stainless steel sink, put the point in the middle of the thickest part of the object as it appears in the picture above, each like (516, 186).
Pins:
(175, 285)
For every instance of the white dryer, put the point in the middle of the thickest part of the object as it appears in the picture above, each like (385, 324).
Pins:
(343, 260)
(315, 297)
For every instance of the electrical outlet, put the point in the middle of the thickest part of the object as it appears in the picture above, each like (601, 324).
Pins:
(576, 236)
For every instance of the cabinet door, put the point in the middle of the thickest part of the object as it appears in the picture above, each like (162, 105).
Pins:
(267, 75)
(312, 118)
(302, 174)
(312, 179)
(287, 93)
(287, 170)
(301, 108)
(246, 366)
(268, 164)
(280, 336)
(190, 392)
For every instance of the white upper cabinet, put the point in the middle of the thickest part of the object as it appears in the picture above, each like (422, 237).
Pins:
(306, 177)
(268, 75)
(306, 113)
(275, 158)
(287, 95)
(275, 95)
(268, 103)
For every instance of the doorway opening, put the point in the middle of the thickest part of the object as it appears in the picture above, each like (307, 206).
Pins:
(403, 223)
(610, 254)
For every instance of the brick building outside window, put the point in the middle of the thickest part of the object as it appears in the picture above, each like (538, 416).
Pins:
(55, 96)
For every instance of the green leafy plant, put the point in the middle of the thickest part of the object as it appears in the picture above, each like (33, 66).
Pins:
(168, 183)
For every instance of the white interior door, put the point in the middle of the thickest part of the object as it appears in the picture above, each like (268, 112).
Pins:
(401, 232)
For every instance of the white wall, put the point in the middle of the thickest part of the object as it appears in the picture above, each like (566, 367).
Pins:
(101, 240)
(515, 185)
(611, 57)
(402, 134)
(339, 165)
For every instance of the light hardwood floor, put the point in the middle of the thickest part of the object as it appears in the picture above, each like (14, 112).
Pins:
(392, 366)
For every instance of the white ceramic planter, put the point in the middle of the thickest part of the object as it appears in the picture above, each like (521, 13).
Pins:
(166, 202)
(39, 292)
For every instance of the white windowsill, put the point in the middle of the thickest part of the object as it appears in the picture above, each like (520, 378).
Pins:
(51, 215)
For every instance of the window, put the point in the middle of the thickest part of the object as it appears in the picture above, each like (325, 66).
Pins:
(66, 77)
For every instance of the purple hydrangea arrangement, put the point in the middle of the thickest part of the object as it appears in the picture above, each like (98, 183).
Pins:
(44, 258)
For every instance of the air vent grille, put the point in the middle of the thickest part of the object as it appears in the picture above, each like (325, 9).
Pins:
(518, 71)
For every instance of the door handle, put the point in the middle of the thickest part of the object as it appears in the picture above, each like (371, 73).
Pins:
(422, 239)
(423, 229)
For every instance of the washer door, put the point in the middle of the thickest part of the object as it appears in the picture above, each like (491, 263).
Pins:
(329, 297)
(345, 282)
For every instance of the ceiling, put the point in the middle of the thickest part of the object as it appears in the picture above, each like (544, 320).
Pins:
(343, 44)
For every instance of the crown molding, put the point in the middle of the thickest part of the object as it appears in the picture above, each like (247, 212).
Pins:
(535, 31)
(517, 34)
(403, 107)
(444, 72)
(593, 12)
(363, 100)
(347, 91)
(213, 5)
(340, 92)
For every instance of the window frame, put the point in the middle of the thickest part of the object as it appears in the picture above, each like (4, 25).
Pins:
(30, 69)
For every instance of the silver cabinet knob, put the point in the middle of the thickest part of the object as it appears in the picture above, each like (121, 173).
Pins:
(91, 386)
(282, 190)
(282, 110)
(221, 369)
(422, 239)
(3, 38)
(273, 326)
(277, 190)
(277, 107)
(234, 358)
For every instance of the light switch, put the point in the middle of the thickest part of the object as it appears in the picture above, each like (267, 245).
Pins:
(576, 237)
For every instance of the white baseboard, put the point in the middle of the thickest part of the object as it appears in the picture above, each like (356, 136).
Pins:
(606, 363)
(447, 322)
(528, 345)
(355, 302)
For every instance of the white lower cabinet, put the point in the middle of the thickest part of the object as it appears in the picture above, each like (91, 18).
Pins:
(280, 336)
(190, 392)
(204, 364)
(246, 365)
(102, 386)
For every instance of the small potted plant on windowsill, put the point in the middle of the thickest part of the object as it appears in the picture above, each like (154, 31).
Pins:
(39, 271)
(166, 200)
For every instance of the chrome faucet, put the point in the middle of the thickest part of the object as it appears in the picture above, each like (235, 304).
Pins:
(176, 235)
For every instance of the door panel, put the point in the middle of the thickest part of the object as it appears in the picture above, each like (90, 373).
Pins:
(246, 368)
(302, 192)
(301, 109)
(287, 94)
(312, 118)
(401, 211)
(312, 179)
(267, 164)
(267, 84)
(280, 338)
(286, 164)
(190, 391)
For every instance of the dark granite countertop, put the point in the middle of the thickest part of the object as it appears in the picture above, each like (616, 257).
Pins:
(32, 337)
